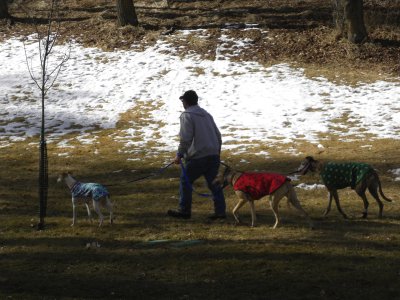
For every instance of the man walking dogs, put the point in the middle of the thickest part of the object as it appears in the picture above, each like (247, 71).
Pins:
(200, 146)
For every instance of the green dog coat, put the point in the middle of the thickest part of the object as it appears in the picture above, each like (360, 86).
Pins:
(341, 175)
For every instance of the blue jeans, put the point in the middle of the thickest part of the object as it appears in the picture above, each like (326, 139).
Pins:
(208, 167)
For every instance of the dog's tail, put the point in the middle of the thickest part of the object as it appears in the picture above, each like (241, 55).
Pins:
(381, 191)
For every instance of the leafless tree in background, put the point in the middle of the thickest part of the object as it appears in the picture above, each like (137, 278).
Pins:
(44, 76)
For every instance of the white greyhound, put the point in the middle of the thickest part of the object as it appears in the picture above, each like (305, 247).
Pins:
(85, 192)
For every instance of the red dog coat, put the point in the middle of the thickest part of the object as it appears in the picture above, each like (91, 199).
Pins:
(258, 185)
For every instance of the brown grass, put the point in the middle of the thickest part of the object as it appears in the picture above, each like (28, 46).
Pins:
(339, 259)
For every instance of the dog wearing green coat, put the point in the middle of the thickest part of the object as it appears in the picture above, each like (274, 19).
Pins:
(336, 176)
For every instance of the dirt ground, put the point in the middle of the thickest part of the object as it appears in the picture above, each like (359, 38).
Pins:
(300, 32)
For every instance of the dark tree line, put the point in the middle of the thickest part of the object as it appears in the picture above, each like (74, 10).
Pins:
(125, 11)
(349, 17)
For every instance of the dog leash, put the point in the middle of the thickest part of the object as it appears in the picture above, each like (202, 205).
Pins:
(294, 172)
(160, 171)
(288, 174)
(228, 166)
(224, 164)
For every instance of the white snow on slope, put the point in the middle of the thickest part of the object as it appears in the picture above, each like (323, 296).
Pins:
(251, 104)
(396, 173)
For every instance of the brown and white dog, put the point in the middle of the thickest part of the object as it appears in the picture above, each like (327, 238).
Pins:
(86, 192)
(253, 186)
(358, 176)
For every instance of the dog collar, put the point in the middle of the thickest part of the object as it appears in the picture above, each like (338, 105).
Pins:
(75, 185)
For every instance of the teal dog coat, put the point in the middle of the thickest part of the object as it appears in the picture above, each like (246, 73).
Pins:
(89, 190)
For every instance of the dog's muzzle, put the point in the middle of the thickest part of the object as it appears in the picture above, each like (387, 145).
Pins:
(303, 169)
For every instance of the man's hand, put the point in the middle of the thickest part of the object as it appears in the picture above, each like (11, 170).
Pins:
(177, 160)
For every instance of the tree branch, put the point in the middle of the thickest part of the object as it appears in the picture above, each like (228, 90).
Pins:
(30, 68)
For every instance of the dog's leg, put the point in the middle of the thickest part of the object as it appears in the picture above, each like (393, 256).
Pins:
(335, 195)
(328, 208)
(373, 184)
(73, 211)
(362, 195)
(276, 197)
(96, 207)
(242, 200)
(88, 211)
(292, 198)
(374, 192)
(274, 202)
(253, 213)
(360, 189)
(110, 209)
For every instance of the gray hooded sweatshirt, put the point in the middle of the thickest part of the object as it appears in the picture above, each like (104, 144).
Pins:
(199, 136)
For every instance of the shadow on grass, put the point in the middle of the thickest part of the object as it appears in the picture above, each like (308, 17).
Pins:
(251, 269)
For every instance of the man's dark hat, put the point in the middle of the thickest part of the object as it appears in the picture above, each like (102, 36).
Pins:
(189, 96)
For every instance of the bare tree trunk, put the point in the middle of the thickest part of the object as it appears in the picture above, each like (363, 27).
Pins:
(354, 12)
(126, 13)
(4, 9)
(349, 18)
(45, 80)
